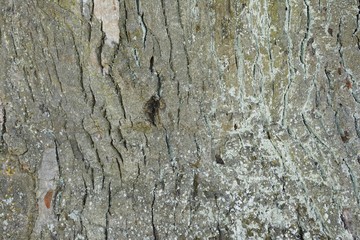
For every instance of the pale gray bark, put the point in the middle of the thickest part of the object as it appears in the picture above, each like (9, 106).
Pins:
(157, 119)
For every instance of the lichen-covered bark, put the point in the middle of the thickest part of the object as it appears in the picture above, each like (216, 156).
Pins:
(180, 119)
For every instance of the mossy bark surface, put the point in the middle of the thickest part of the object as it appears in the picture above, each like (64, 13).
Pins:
(180, 119)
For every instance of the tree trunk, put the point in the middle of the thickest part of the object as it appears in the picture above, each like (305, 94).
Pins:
(136, 119)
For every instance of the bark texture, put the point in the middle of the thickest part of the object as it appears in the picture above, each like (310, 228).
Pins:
(219, 119)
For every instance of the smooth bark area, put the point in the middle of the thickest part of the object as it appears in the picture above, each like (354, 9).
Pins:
(194, 119)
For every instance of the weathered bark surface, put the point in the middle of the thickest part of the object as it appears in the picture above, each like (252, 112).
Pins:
(159, 119)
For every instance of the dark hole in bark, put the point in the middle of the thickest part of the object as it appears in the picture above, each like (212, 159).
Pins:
(339, 70)
(345, 137)
(219, 160)
(151, 109)
(151, 64)
(346, 218)
(330, 31)
(268, 135)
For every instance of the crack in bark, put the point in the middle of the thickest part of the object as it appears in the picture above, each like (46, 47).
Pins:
(309, 129)
(13, 42)
(136, 57)
(354, 183)
(339, 41)
(92, 177)
(329, 97)
(289, 61)
(115, 53)
(155, 233)
(79, 64)
(198, 149)
(306, 37)
(173, 161)
(81, 76)
(151, 65)
(144, 155)
(83, 202)
(108, 213)
(92, 143)
(3, 124)
(146, 141)
(163, 7)
(357, 125)
(357, 21)
(101, 164)
(118, 152)
(93, 101)
(119, 168)
(144, 27)
(57, 157)
(187, 62)
(84, 198)
(159, 85)
(100, 47)
(120, 98)
(125, 21)
(179, 14)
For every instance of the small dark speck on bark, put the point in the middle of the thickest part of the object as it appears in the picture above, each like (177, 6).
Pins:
(219, 160)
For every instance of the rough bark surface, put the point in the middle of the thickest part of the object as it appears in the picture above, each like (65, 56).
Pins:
(219, 119)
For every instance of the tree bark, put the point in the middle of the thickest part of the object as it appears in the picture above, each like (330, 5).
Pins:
(180, 119)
